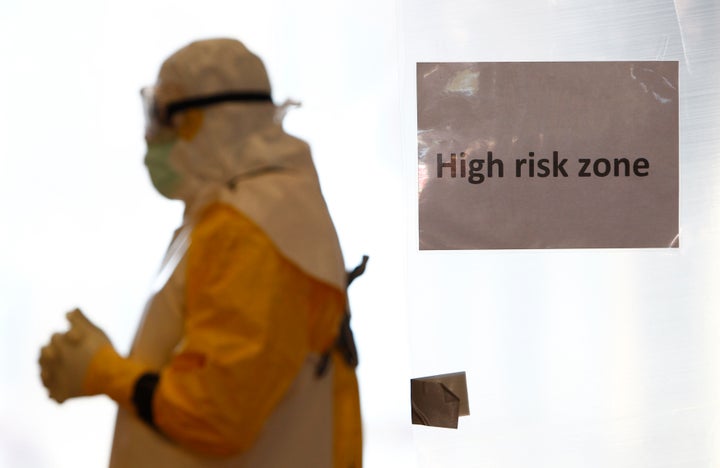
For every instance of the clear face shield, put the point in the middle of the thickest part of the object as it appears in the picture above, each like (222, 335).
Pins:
(158, 125)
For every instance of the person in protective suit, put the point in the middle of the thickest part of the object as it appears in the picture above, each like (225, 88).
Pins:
(236, 362)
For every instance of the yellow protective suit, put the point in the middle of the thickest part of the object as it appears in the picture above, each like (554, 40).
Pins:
(253, 294)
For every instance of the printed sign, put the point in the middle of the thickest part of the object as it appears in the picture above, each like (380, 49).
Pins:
(547, 155)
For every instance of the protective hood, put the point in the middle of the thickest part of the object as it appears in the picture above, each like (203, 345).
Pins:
(238, 154)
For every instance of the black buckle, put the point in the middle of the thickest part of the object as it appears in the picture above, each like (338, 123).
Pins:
(345, 342)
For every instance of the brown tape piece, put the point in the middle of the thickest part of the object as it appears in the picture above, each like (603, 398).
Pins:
(439, 400)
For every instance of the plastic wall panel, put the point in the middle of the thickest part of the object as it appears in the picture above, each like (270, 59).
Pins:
(579, 358)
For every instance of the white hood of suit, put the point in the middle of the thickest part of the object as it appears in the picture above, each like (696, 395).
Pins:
(240, 155)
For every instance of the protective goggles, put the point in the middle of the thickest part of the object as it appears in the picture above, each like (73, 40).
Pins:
(158, 119)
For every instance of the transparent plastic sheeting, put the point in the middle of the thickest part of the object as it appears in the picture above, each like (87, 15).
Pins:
(577, 357)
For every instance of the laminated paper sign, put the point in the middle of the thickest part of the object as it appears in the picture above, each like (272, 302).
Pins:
(548, 155)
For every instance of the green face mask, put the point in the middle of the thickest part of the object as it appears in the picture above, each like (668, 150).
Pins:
(164, 177)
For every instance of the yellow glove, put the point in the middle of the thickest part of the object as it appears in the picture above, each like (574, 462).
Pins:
(64, 361)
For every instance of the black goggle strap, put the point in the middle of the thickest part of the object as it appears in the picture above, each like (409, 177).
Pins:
(205, 101)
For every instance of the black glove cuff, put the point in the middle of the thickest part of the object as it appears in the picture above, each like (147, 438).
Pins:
(143, 396)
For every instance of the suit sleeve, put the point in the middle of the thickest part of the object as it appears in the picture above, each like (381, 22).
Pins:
(251, 319)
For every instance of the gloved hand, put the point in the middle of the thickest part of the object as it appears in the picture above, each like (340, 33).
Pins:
(65, 360)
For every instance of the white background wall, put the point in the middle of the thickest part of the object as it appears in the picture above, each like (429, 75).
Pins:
(574, 358)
